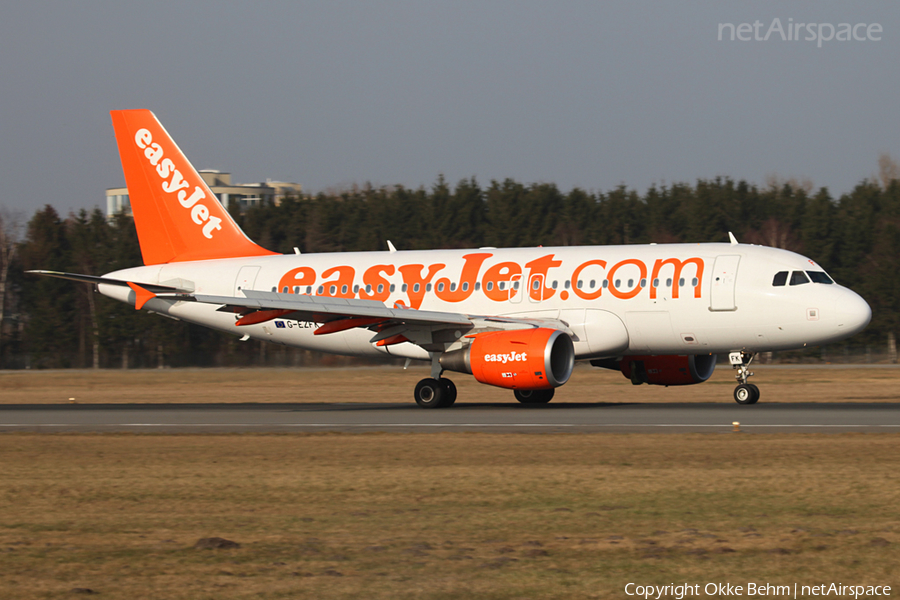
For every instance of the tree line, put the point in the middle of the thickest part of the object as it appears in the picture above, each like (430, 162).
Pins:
(51, 323)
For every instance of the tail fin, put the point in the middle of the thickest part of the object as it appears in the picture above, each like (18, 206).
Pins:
(176, 215)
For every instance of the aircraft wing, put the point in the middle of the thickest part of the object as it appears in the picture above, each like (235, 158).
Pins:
(426, 328)
(432, 330)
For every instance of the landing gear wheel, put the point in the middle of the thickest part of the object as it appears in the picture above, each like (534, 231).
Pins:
(746, 393)
(450, 391)
(534, 396)
(755, 393)
(430, 393)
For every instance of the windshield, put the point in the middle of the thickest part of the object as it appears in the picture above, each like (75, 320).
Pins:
(819, 277)
(799, 278)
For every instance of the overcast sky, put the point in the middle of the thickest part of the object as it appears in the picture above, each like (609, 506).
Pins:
(588, 94)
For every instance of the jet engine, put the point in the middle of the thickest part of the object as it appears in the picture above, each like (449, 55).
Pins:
(520, 359)
(663, 370)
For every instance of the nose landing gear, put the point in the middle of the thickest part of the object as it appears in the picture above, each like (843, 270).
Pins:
(744, 393)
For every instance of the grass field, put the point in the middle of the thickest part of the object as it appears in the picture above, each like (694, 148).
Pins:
(393, 384)
(442, 515)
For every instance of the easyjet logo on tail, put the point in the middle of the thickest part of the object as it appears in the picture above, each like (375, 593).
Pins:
(173, 182)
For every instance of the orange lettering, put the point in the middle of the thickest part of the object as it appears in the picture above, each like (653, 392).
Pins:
(467, 278)
(581, 293)
(372, 277)
(501, 272)
(612, 283)
(343, 285)
(540, 266)
(301, 276)
(415, 284)
(678, 265)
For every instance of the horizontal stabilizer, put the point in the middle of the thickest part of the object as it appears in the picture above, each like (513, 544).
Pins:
(150, 287)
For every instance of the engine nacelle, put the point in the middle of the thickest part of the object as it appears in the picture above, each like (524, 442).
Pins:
(521, 359)
(663, 370)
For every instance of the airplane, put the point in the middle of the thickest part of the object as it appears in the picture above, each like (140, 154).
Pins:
(515, 318)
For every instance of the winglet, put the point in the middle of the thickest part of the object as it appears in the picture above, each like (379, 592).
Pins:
(391, 247)
(141, 295)
(732, 239)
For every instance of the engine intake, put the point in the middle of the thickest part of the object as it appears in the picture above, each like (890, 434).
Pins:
(521, 359)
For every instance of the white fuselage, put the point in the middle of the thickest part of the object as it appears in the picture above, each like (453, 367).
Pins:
(616, 300)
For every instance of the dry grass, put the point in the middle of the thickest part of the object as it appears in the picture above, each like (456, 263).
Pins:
(392, 384)
(441, 515)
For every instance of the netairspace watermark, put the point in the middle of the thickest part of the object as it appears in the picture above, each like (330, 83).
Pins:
(795, 32)
(687, 590)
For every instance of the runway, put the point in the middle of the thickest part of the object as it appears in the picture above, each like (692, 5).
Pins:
(596, 417)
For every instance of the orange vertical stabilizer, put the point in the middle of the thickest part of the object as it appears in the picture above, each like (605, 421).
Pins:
(177, 216)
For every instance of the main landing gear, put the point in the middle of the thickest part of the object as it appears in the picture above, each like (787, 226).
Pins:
(534, 396)
(744, 393)
(435, 393)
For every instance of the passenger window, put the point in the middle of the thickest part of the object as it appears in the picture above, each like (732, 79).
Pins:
(465, 286)
(799, 278)
(780, 278)
(819, 277)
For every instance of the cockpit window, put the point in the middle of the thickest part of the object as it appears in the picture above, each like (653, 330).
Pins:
(819, 277)
(799, 278)
(780, 278)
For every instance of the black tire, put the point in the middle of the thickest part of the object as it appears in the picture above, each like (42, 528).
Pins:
(755, 393)
(450, 389)
(534, 396)
(745, 394)
(430, 393)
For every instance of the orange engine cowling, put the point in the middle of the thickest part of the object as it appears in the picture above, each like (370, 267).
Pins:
(663, 370)
(521, 359)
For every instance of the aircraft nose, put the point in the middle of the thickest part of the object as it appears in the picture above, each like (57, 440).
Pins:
(853, 313)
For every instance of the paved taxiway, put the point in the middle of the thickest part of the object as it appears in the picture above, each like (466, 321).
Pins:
(659, 418)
